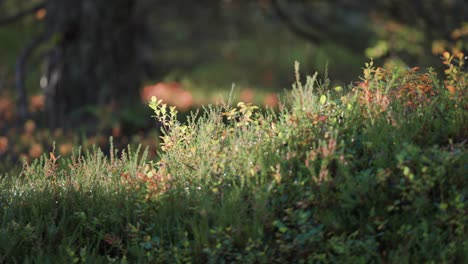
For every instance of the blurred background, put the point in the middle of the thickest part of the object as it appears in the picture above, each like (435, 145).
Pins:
(77, 72)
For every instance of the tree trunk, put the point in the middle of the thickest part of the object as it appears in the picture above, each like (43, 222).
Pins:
(94, 61)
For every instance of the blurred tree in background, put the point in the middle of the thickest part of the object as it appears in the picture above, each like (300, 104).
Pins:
(97, 52)
(397, 29)
(90, 57)
(94, 60)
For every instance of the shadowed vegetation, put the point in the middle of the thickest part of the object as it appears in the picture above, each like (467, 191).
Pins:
(373, 172)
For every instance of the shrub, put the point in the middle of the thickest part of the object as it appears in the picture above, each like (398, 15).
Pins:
(377, 174)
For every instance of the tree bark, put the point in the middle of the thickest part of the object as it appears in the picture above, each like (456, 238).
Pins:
(94, 60)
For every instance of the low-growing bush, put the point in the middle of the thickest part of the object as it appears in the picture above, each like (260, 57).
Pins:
(376, 173)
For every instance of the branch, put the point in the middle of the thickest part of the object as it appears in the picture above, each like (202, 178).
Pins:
(286, 18)
(315, 28)
(20, 70)
(21, 14)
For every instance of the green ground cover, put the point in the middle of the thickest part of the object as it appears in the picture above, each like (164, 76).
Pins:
(374, 172)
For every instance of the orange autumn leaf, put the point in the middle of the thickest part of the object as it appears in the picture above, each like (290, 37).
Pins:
(116, 131)
(41, 14)
(36, 103)
(6, 109)
(29, 127)
(171, 93)
(65, 148)
(446, 55)
(52, 157)
(322, 118)
(247, 95)
(271, 100)
(35, 151)
(3, 144)
(451, 89)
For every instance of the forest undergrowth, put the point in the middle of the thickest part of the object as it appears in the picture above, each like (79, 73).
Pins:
(373, 172)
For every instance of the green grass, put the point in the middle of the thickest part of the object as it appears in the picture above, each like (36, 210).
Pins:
(376, 173)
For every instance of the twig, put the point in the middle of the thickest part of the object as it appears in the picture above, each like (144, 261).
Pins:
(21, 14)
(286, 18)
(20, 70)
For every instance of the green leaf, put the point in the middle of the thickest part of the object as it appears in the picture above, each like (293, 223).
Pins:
(281, 227)
(338, 88)
(443, 206)
(323, 99)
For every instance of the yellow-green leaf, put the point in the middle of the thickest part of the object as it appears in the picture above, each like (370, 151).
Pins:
(323, 99)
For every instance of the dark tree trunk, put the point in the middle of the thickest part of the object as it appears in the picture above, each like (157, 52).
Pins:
(94, 61)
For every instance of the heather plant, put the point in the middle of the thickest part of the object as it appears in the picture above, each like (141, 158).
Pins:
(375, 172)
(66, 208)
(329, 179)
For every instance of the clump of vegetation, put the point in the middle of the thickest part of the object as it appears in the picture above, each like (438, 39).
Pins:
(373, 173)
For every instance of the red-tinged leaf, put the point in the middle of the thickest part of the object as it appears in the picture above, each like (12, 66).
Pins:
(446, 55)
(451, 89)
